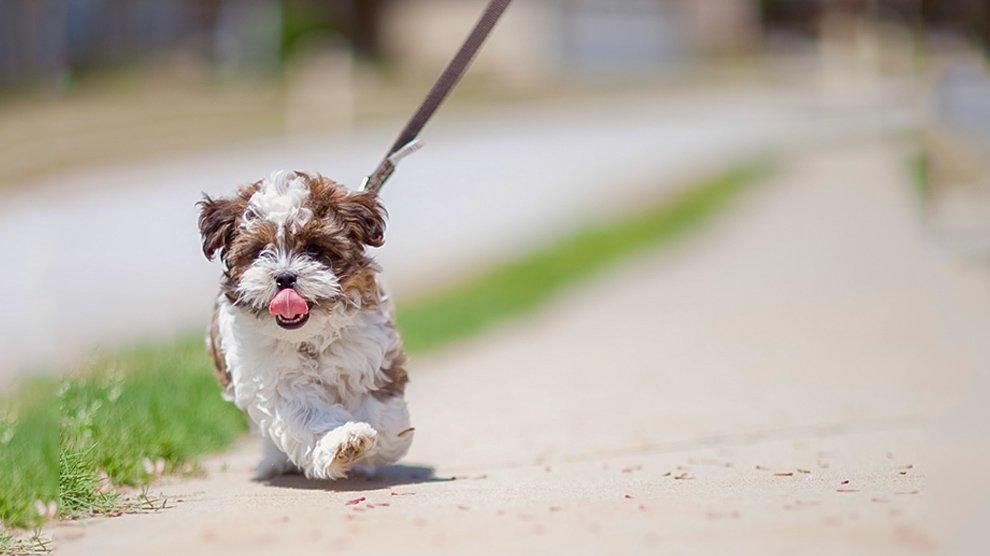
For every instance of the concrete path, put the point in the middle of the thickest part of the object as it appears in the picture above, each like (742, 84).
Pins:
(488, 183)
(771, 387)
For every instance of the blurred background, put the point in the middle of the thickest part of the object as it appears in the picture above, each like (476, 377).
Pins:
(852, 289)
(115, 115)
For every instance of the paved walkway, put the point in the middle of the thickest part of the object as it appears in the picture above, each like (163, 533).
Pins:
(502, 178)
(771, 387)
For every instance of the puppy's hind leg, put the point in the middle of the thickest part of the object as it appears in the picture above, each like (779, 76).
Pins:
(390, 417)
(274, 462)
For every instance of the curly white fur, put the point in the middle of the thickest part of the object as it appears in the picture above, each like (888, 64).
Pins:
(280, 200)
(309, 391)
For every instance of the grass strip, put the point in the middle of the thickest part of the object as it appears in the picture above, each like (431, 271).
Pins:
(124, 419)
(523, 284)
(129, 418)
(121, 420)
(920, 173)
(28, 455)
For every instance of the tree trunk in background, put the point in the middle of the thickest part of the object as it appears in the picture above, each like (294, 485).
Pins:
(365, 27)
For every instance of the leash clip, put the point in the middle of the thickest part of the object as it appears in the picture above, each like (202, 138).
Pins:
(387, 166)
(404, 151)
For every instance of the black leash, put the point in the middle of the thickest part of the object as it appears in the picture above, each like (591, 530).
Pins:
(407, 143)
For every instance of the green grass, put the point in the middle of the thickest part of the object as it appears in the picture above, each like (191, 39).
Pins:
(126, 413)
(28, 453)
(150, 404)
(919, 173)
(64, 438)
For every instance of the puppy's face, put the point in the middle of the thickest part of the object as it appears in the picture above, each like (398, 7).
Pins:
(291, 244)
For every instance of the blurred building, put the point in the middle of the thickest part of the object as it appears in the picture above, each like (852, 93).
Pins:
(543, 40)
(45, 40)
(50, 40)
(955, 166)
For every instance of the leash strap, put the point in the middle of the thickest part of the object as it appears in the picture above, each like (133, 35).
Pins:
(407, 143)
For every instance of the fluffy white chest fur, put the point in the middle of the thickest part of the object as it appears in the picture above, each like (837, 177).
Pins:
(313, 395)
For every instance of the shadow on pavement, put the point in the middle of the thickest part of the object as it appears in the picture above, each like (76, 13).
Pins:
(385, 477)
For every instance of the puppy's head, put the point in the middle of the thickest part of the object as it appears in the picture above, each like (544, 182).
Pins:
(291, 244)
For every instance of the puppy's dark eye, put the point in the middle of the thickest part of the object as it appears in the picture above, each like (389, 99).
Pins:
(256, 252)
(313, 250)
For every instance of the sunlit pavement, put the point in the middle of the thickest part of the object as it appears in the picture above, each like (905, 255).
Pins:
(108, 257)
(794, 380)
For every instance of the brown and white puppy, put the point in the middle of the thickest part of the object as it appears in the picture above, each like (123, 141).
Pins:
(303, 335)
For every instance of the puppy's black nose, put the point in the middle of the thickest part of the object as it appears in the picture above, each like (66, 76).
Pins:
(285, 280)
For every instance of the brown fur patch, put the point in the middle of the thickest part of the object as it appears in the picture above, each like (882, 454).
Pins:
(219, 219)
(359, 214)
(216, 351)
(396, 376)
(329, 243)
(364, 284)
(244, 249)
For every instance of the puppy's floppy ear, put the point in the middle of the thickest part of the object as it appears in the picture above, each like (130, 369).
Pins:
(218, 222)
(364, 217)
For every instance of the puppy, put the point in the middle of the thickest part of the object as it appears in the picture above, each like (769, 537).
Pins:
(303, 335)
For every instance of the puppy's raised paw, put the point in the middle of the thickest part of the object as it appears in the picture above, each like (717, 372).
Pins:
(342, 447)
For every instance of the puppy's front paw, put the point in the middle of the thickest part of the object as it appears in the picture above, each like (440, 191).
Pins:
(341, 448)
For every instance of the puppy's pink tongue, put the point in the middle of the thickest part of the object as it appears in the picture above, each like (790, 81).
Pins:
(288, 304)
